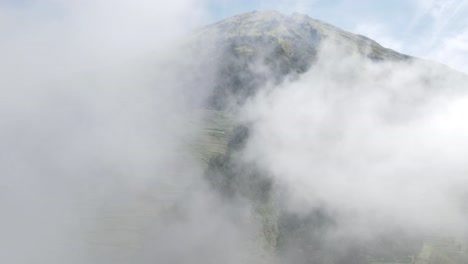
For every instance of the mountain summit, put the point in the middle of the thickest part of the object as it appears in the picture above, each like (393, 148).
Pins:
(285, 44)
(297, 35)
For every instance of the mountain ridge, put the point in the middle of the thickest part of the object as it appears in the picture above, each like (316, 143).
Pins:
(252, 49)
(290, 27)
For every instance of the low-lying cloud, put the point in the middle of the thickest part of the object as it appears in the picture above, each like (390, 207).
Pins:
(97, 114)
(382, 145)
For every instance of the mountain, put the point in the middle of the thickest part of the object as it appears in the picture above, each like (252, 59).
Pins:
(295, 37)
(285, 45)
(241, 55)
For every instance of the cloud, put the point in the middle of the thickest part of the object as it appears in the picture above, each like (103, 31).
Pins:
(380, 145)
(97, 107)
(435, 33)
(453, 51)
(441, 19)
(97, 110)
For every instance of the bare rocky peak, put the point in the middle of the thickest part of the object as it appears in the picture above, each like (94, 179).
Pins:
(296, 34)
(245, 52)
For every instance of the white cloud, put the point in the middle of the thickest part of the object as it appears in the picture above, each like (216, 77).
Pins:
(95, 118)
(380, 145)
(444, 17)
(453, 51)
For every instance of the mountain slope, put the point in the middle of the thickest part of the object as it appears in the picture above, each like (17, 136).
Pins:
(296, 35)
(252, 49)
(255, 49)
(246, 53)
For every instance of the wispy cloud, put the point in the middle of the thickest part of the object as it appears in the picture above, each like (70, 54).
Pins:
(453, 50)
(379, 33)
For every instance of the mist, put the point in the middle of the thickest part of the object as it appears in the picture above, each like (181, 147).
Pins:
(370, 150)
(105, 113)
(98, 112)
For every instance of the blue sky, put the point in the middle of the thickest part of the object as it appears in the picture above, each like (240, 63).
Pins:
(432, 29)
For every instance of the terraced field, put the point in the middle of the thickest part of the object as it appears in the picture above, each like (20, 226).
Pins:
(438, 250)
(213, 141)
(434, 250)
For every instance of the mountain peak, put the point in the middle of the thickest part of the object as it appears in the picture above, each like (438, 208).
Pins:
(296, 34)
(287, 45)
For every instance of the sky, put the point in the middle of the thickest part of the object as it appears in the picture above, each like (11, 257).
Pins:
(431, 29)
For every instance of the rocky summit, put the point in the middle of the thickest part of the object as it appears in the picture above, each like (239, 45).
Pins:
(284, 45)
